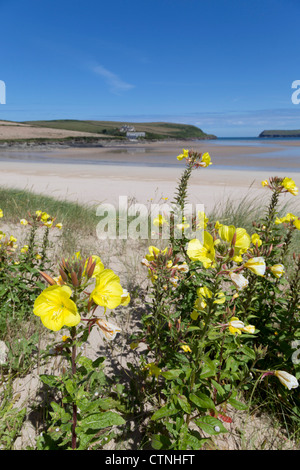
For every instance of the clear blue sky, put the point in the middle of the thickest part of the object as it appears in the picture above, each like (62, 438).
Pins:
(226, 66)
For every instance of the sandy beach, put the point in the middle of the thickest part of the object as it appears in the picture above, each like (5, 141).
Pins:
(146, 172)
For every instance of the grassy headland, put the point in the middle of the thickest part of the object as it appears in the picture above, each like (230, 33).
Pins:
(153, 130)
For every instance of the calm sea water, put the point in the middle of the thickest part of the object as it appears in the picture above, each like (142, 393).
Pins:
(285, 159)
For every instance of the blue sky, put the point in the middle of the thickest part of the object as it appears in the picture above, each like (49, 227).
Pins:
(226, 66)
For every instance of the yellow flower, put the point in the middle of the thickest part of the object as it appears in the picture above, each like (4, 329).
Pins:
(238, 280)
(65, 338)
(265, 183)
(159, 221)
(107, 330)
(205, 160)
(183, 267)
(296, 223)
(55, 308)
(153, 252)
(249, 329)
(153, 369)
(256, 265)
(277, 270)
(23, 222)
(1, 213)
(185, 348)
(237, 326)
(256, 240)
(108, 290)
(59, 226)
(184, 154)
(242, 238)
(24, 249)
(203, 252)
(99, 266)
(38, 213)
(202, 220)
(183, 224)
(290, 186)
(125, 298)
(288, 380)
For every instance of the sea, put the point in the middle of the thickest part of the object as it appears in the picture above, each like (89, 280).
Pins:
(285, 158)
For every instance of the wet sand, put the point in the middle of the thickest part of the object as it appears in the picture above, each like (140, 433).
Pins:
(148, 171)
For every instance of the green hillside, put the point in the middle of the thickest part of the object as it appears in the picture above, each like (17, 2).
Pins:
(153, 130)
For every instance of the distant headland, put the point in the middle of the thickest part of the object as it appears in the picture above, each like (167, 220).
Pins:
(280, 133)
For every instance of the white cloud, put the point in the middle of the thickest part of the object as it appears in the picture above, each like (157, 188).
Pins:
(115, 83)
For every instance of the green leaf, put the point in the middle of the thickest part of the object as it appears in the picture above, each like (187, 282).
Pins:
(166, 410)
(249, 352)
(208, 369)
(210, 425)
(183, 402)
(171, 374)
(202, 401)
(100, 420)
(237, 404)
(158, 442)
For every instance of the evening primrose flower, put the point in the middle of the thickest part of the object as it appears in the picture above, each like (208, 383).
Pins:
(153, 369)
(277, 270)
(24, 249)
(23, 222)
(1, 213)
(255, 239)
(184, 154)
(153, 252)
(203, 252)
(108, 290)
(296, 223)
(203, 220)
(99, 266)
(125, 298)
(205, 160)
(107, 330)
(242, 238)
(288, 380)
(256, 265)
(290, 186)
(238, 280)
(236, 326)
(159, 221)
(185, 348)
(59, 226)
(265, 183)
(55, 308)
